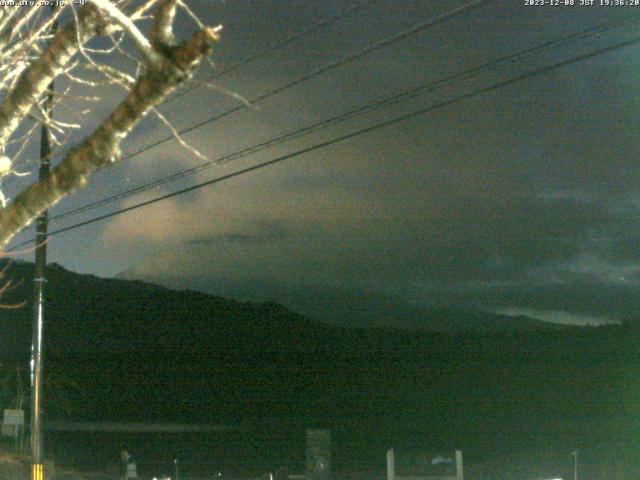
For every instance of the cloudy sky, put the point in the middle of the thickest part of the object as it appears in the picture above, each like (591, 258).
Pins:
(522, 199)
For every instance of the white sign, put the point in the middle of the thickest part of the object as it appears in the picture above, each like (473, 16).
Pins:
(14, 417)
(9, 430)
(132, 471)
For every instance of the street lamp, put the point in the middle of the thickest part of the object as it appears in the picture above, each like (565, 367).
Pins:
(575, 464)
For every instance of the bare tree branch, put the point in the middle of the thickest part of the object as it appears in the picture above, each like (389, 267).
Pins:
(162, 31)
(33, 82)
(102, 147)
(32, 56)
(128, 26)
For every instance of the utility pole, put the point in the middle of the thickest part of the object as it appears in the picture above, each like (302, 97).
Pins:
(39, 280)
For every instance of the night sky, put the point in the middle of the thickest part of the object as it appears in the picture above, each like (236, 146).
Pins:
(521, 200)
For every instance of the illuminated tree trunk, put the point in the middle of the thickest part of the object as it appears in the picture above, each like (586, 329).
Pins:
(165, 66)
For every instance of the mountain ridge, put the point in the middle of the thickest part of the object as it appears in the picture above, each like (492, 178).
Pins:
(371, 311)
(143, 353)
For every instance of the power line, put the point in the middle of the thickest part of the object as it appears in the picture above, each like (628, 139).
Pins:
(362, 131)
(384, 102)
(467, 7)
(280, 44)
(273, 47)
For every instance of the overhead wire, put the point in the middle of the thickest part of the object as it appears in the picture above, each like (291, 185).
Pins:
(431, 22)
(384, 102)
(273, 47)
(479, 91)
(278, 45)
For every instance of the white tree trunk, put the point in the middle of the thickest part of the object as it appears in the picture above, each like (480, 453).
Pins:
(165, 67)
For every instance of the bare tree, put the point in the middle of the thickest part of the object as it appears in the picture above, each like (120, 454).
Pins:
(81, 52)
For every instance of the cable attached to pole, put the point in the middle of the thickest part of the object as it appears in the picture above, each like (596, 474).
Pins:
(39, 281)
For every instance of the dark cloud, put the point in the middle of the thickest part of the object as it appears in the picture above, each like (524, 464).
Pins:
(264, 231)
(522, 198)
